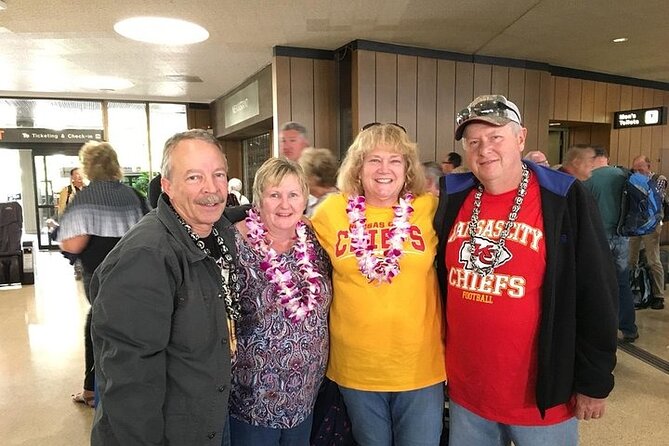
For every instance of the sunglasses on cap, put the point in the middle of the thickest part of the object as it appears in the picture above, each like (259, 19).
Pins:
(372, 124)
(492, 108)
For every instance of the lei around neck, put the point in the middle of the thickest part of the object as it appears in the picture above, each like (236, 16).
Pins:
(297, 295)
(378, 269)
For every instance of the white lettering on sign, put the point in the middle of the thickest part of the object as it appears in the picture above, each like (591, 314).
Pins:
(241, 105)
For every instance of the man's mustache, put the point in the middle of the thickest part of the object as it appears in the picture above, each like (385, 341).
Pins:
(210, 199)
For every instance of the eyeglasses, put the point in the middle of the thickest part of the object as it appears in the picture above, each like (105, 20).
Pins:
(372, 124)
(488, 108)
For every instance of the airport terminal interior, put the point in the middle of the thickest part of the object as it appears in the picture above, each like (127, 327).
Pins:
(593, 73)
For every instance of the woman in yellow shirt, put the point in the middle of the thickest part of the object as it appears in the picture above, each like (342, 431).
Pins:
(386, 344)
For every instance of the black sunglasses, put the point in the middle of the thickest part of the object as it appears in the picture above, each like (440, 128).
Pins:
(488, 108)
(372, 124)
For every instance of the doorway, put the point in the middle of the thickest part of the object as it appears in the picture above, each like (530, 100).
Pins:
(52, 174)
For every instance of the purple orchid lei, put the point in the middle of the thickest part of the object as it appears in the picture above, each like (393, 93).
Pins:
(374, 268)
(298, 297)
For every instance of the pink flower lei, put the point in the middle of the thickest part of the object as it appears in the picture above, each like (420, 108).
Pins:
(298, 297)
(375, 268)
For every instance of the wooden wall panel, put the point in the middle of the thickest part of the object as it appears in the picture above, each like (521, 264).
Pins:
(464, 84)
(645, 145)
(531, 109)
(500, 80)
(656, 134)
(561, 98)
(517, 88)
(574, 100)
(364, 89)
(445, 109)
(588, 101)
(281, 95)
(407, 80)
(325, 111)
(612, 105)
(599, 108)
(426, 108)
(482, 79)
(386, 87)
(545, 108)
(302, 92)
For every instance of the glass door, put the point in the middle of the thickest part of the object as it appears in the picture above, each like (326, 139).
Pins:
(52, 174)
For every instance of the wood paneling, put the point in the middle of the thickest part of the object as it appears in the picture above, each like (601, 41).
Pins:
(445, 109)
(464, 84)
(386, 87)
(407, 81)
(517, 88)
(574, 100)
(302, 92)
(588, 101)
(363, 84)
(482, 79)
(325, 109)
(545, 108)
(500, 80)
(426, 110)
(281, 95)
(561, 98)
(531, 109)
(599, 109)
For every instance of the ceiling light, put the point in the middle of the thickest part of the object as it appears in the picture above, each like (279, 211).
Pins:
(554, 124)
(620, 40)
(161, 30)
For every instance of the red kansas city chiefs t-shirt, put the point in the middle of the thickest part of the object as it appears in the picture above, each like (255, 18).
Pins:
(493, 321)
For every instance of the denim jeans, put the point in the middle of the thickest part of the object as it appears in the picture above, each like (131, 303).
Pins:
(468, 429)
(244, 434)
(626, 317)
(409, 418)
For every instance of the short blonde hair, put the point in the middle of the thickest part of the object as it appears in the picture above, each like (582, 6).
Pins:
(391, 135)
(99, 161)
(320, 164)
(272, 173)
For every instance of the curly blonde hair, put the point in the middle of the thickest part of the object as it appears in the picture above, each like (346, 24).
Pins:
(389, 135)
(99, 161)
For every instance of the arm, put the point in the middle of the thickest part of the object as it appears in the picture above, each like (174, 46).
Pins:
(75, 245)
(132, 316)
(596, 302)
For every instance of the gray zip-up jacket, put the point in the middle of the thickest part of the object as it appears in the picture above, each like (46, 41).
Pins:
(160, 338)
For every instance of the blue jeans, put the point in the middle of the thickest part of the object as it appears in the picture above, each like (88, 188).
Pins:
(626, 317)
(244, 434)
(468, 429)
(409, 418)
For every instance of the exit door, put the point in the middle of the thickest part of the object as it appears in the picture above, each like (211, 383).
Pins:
(52, 174)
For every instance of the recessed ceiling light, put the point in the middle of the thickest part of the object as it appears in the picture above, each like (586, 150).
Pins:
(554, 124)
(620, 40)
(161, 30)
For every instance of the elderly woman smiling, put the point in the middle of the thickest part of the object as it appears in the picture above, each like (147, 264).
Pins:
(386, 319)
(282, 337)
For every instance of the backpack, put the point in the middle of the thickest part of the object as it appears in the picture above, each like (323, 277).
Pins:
(662, 183)
(641, 205)
(640, 285)
(232, 200)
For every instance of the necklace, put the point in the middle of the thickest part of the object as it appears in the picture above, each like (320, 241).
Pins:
(376, 268)
(513, 215)
(298, 297)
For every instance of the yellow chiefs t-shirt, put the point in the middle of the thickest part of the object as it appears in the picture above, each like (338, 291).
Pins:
(383, 337)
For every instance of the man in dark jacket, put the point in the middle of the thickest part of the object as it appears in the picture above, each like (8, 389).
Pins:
(530, 288)
(165, 303)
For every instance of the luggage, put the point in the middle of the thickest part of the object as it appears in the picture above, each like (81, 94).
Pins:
(11, 254)
(640, 283)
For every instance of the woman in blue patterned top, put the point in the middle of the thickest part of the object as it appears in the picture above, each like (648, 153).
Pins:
(282, 336)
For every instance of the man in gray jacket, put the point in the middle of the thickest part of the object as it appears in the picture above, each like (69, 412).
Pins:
(165, 303)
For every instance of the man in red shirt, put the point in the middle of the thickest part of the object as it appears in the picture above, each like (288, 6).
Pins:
(530, 289)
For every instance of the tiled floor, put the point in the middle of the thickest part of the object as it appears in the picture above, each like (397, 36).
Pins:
(41, 362)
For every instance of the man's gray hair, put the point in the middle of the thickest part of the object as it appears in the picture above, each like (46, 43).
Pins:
(292, 125)
(172, 142)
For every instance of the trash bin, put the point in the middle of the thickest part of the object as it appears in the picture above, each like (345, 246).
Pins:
(28, 274)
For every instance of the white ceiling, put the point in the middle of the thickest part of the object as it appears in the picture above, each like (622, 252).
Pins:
(47, 47)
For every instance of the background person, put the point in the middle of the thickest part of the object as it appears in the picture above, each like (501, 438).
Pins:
(432, 175)
(282, 336)
(91, 226)
(68, 193)
(651, 242)
(320, 167)
(537, 157)
(453, 161)
(164, 299)
(386, 350)
(530, 291)
(235, 190)
(292, 140)
(579, 161)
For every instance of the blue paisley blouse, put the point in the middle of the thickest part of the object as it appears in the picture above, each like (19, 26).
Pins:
(279, 364)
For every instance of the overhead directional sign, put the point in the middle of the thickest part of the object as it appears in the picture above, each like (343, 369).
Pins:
(49, 135)
(640, 118)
